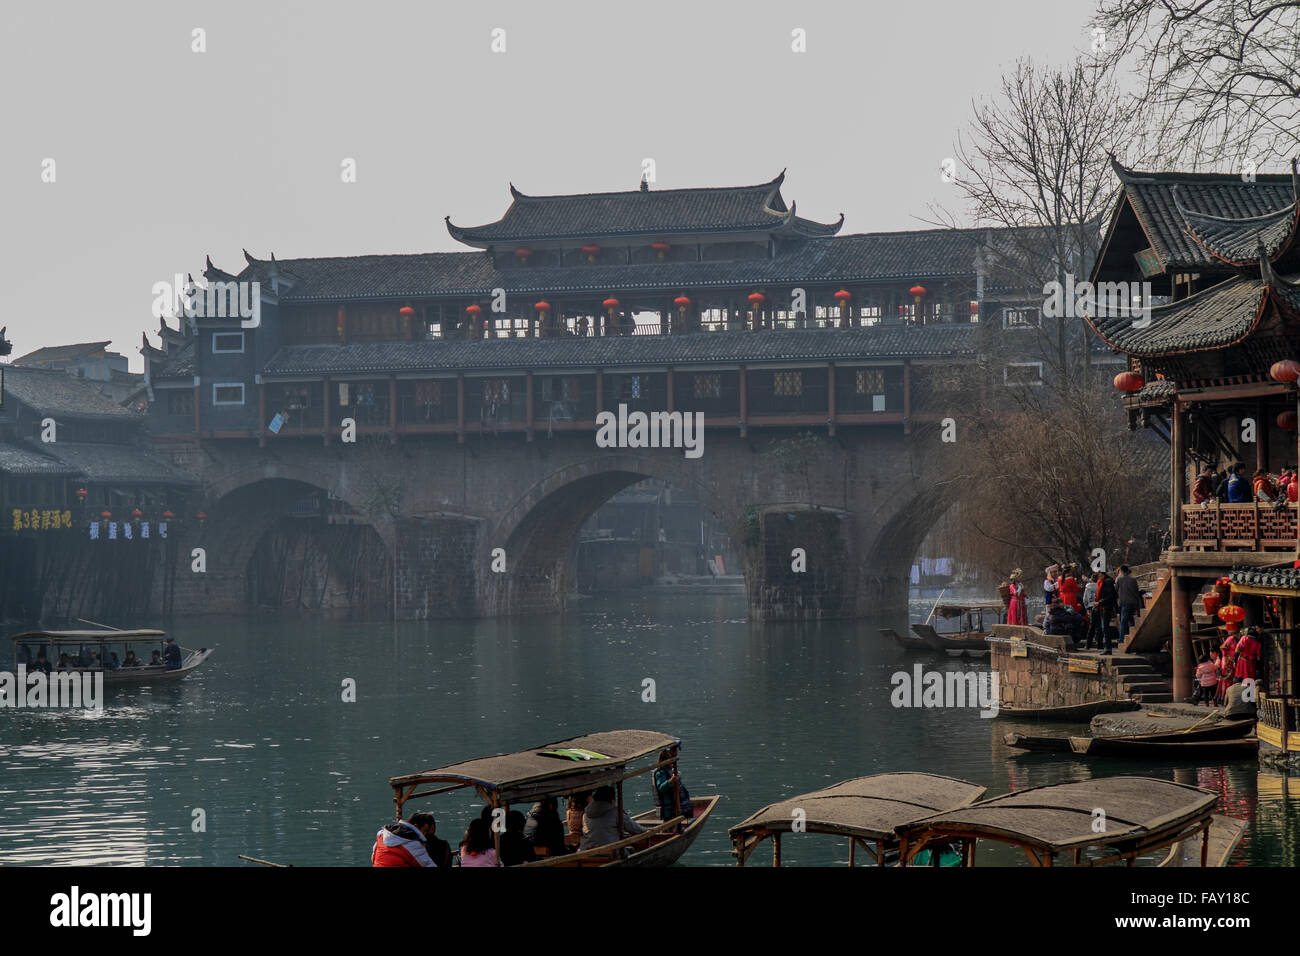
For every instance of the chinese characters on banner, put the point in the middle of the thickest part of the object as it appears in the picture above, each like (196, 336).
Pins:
(113, 530)
(46, 520)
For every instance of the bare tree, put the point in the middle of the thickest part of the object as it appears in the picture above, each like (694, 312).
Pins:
(1220, 79)
(1035, 165)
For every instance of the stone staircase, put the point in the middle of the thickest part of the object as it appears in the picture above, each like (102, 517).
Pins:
(1153, 624)
(1135, 677)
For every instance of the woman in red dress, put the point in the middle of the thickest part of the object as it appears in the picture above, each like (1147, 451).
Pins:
(1248, 649)
(1017, 613)
(1227, 666)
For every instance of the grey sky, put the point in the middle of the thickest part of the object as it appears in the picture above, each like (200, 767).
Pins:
(164, 155)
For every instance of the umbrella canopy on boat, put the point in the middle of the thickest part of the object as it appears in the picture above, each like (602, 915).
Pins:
(87, 637)
(1141, 814)
(580, 763)
(865, 808)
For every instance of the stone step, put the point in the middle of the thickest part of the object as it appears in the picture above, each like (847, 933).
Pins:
(1157, 698)
(1147, 687)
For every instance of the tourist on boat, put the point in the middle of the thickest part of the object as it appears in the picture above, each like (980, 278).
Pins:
(1248, 648)
(1203, 487)
(1017, 611)
(1128, 597)
(515, 848)
(131, 660)
(575, 810)
(111, 662)
(543, 827)
(42, 662)
(1238, 487)
(64, 661)
(172, 655)
(667, 783)
(404, 843)
(600, 822)
(156, 659)
(1207, 679)
(477, 849)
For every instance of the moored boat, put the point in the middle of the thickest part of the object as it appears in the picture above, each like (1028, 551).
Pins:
(969, 635)
(1038, 743)
(109, 652)
(1168, 749)
(1223, 730)
(1076, 713)
(905, 642)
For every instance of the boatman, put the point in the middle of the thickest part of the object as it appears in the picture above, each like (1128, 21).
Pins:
(172, 655)
(404, 843)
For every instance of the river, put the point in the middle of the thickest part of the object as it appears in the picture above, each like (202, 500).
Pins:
(261, 741)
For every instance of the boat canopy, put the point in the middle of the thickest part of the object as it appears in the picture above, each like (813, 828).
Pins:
(566, 766)
(865, 808)
(957, 610)
(1142, 814)
(84, 637)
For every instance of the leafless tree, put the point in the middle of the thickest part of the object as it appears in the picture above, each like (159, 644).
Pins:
(1034, 164)
(1220, 79)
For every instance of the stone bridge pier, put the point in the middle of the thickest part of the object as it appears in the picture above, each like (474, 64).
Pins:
(440, 528)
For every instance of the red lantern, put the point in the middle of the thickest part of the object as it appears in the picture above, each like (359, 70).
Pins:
(106, 515)
(843, 296)
(522, 254)
(168, 515)
(660, 247)
(137, 514)
(81, 495)
(1287, 420)
(474, 309)
(1210, 601)
(202, 516)
(542, 306)
(610, 303)
(1287, 370)
(917, 292)
(756, 299)
(406, 312)
(1128, 381)
(591, 252)
(1232, 615)
(974, 308)
(682, 303)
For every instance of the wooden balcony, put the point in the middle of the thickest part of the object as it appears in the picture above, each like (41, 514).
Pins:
(1254, 526)
(1279, 722)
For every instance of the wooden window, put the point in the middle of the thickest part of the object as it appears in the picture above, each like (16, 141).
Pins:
(787, 383)
(228, 393)
(708, 386)
(496, 391)
(428, 393)
(870, 381)
(223, 342)
(1023, 373)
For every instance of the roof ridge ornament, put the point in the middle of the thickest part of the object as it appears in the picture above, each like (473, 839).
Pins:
(1265, 267)
(645, 183)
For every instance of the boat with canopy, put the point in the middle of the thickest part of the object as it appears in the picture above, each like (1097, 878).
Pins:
(571, 766)
(1142, 815)
(94, 651)
(867, 810)
(968, 633)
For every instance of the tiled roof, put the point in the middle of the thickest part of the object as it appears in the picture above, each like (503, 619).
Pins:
(923, 255)
(55, 392)
(1156, 198)
(886, 341)
(61, 353)
(1238, 241)
(1210, 319)
(1288, 578)
(18, 460)
(126, 463)
(178, 365)
(643, 212)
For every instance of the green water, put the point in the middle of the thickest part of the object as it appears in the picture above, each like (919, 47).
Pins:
(283, 769)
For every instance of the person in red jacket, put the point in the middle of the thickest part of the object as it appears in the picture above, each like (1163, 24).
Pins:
(1203, 488)
(1248, 648)
(1069, 589)
(404, 843)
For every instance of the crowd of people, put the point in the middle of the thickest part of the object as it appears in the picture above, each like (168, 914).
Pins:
(1233, 662)
(1233, 487)
(1079, 606)
(592, 819)
(87, 658)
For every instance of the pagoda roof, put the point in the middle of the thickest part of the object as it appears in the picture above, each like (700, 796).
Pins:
(924, 255)
(61, 353)
(1211, 221)
(696, 348)
(55, 392)
(643, 212)
(1214, 318)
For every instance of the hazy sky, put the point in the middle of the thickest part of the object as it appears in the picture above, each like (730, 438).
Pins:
(164, 155)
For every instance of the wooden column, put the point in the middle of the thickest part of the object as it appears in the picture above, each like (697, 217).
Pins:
(392, 409)
(1178, 456)
(744, 399)
(460, 406)
(261, 415)
(830, 398)
(907, 398)
(326, 411)
(343, 324)
(1184, 663)
(528, 404)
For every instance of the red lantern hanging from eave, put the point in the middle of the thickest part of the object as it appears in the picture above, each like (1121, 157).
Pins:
(591, 251)
(1287, 420)
(682, 303)
(106, 515)
(660, 247)
(202, 516)
(542, 306)
(843, 296)
(406, 312)
(137, 514)
(756, 299)
(169, 515)
(81, 495)
(1287, 370)
(474, 309)
(1232, 615)
(917, 292)
(610, 303)
(1129, 381)
(522, 254)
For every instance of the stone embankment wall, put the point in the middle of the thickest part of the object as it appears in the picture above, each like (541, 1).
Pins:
(1041, 678)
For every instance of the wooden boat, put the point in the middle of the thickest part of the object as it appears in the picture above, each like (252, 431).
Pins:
(1143, 815)
(103, 644)
(574, 766)
(1224, 835)
(965, 642)
(969, 636)
(1223, 730)
(867, 810)
(905, 642)
(1169, 749)
(1076, 713)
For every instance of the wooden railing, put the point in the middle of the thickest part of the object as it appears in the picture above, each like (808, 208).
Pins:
(1253, 526)
(1280, 713)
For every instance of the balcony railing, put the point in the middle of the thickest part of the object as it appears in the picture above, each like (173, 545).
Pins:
(1254, 526)
(1280, 713)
